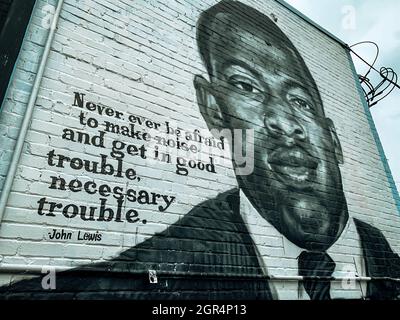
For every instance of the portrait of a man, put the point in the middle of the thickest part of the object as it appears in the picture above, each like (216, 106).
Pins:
(257, 80)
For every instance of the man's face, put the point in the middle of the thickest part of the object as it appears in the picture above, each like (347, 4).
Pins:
(260, 84)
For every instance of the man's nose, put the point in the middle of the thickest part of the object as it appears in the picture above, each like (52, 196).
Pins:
(284, 125)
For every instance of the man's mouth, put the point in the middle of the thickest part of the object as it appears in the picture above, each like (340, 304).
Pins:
(294, 167)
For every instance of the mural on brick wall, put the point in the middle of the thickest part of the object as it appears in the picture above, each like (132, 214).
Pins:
(289, 183)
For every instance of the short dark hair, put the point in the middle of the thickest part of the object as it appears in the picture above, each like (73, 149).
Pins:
(238, 12)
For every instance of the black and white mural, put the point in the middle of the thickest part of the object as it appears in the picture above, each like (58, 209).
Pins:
(256, 81)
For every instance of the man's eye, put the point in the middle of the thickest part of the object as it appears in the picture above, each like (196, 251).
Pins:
(245, 86)
(301, 104)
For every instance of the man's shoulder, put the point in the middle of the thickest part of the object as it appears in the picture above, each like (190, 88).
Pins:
(370, 235)
(206, 236)
(216, 214)
(382, 263)
(224, 208)
(205, 229)
(380, 258)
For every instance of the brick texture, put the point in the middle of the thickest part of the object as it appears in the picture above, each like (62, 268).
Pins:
(139, 58)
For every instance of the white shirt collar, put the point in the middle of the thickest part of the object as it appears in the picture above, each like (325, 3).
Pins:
(277, 255)
(290, 249)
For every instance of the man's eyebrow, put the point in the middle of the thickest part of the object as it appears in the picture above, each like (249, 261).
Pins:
(296, 84)
(234, 62)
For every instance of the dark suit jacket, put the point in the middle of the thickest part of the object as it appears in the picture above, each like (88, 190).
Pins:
(208, 254)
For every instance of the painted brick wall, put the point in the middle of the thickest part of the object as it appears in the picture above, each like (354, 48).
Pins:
(140, 58)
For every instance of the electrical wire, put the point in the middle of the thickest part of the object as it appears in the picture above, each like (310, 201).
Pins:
(385, 86)
(376, 55)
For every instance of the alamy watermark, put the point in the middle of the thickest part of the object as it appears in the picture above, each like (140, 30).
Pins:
(49, 280)
(349, 19)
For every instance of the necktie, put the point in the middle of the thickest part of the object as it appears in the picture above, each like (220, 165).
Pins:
(313, 265)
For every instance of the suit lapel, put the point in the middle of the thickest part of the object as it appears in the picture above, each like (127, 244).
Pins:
(380, 261)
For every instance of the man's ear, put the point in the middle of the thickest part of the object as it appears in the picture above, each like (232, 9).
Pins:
(336, 141)
(209, 108)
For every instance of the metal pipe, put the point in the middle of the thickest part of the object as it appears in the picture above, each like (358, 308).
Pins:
(35, 269)
(20, 268)
(28, 114)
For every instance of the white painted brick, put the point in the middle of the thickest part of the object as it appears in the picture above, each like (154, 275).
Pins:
(140, 57)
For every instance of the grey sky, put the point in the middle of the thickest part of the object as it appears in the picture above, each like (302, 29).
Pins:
(376, 21)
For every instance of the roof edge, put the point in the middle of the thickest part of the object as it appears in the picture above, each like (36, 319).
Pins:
(314, 24)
